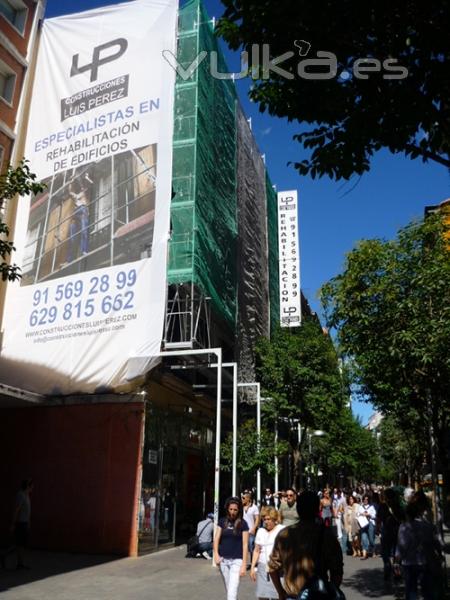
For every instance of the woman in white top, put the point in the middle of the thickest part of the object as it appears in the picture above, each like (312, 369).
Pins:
(264, 541)
(366, 517)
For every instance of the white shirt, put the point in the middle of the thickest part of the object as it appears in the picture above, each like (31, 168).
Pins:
(369, 509)
(250, 514)
(266, 539)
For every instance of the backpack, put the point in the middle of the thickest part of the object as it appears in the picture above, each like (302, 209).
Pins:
(193, 542)
(317, 587)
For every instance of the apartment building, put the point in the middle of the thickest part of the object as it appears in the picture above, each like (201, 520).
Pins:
(18, 29)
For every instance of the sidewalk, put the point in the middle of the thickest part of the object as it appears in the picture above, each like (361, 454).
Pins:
(166, 575)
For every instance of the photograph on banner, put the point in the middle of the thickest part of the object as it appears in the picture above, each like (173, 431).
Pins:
(98, 215)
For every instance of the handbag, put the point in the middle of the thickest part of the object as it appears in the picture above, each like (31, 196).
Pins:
(363, 521)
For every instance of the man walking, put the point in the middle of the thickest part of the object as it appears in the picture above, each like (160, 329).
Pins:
(288, 508)
(305, 550)
(251, 516)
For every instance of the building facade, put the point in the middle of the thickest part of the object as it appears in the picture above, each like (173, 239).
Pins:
(134, 471)
(18, 29)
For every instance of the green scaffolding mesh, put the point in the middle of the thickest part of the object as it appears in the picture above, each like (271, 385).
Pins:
(204, 229)
(272, 234)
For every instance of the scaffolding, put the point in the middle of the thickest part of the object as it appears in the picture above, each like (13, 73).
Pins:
(202, 253)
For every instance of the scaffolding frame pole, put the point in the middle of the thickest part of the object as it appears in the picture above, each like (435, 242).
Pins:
(218, 353)
(233, 365)
(258, 431)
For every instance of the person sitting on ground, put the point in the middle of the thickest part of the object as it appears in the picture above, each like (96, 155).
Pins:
(305, 550)
(288, 508)
(205, 532)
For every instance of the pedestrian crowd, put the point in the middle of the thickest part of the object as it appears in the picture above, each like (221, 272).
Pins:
(293, 543)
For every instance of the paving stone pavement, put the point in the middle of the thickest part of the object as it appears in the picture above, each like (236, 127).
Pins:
(166, 575)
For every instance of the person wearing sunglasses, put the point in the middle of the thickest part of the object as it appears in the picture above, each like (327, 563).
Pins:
(288, 508)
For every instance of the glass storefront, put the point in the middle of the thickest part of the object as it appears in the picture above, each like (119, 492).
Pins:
(177, 474)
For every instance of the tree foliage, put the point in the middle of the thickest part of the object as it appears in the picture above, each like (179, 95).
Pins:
(19, 180)
(351, 118)
(391, 310)
(299, 371)
(252, 455)
(402, 452)
(351, 449)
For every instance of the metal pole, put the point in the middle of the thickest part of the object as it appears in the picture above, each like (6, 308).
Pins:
(218, 431)
(235, 426)
(258, 433)
(275, 484)
(218, 353)
(258, 429)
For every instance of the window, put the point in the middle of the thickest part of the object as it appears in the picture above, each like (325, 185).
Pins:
(2, 154)
(7, 82)
(15, 12)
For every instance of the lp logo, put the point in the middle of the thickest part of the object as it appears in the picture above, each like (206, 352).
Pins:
(98, 58)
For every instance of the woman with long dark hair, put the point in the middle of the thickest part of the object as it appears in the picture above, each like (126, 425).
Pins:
(231, 546)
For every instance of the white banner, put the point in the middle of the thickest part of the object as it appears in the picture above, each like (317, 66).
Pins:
(289, 257)
(93, 246)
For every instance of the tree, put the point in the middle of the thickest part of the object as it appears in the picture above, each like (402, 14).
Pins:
(19, 180)
(360, 107)
(402, 453)
(391, 310)
(252, 455)
(300, 373)
(351, 449)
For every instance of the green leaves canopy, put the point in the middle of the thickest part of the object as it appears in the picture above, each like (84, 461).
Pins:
(300, 371)
(351, 118)
(391, 310)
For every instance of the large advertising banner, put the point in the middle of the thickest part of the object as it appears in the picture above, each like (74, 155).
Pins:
(88, 313)
(289, 257)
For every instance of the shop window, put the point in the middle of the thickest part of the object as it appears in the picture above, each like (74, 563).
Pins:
(7, 82)
(15, 12)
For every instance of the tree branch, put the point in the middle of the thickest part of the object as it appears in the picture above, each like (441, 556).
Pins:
(427, 154)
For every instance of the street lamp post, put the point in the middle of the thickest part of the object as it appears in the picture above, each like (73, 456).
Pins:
(316, 433)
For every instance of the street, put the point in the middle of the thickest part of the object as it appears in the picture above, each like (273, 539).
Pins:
(166, 575)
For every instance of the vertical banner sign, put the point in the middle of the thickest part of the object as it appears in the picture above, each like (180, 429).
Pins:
(289, 257)
(88, 312)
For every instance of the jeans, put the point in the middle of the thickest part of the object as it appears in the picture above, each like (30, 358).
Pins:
(416, 575)
(230, 569)
(206, 547)
(344, 541)
(251, 544)
(364, 533)
(79, 224)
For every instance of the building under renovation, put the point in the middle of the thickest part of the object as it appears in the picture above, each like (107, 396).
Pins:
(129, 471)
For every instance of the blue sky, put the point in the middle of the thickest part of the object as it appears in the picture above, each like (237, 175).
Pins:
(333, 215)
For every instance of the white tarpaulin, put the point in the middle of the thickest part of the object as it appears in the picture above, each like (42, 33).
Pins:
(93, 246)
(289, 257)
